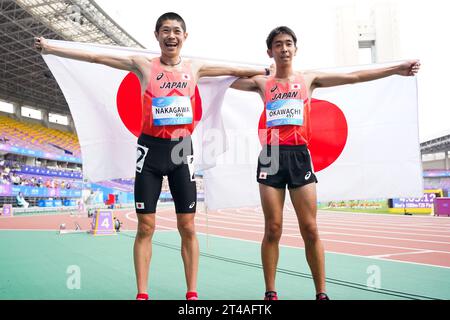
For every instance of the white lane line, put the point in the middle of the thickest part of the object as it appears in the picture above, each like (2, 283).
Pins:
(329, 251)
(221, 221)
(337, 226)
(401, 254)
(339, 221)
(323, 239)
(157, 226)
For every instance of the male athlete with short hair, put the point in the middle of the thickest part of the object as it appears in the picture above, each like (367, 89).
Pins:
(285, 135)
(168, 87)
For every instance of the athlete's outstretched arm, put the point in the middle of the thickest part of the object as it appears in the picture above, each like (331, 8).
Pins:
(210, 70)
(129, 63)
(321, 80)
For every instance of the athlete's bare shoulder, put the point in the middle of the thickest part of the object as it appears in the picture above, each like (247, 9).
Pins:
(196, 64)
(303, 73)
(141, 62)
(308, 76)
(260, 80)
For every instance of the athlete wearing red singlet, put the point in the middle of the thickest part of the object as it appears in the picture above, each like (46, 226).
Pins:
(287, 134)
(171, 109)
(284, 131)
(175, 83)
(284, 124)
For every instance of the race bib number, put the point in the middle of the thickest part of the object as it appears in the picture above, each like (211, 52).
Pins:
(284, 112)
(169, 111)
(190, 163)
(141, 153)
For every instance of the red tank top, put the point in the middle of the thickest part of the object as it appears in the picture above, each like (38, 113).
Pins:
(285, 119)
(171, 105)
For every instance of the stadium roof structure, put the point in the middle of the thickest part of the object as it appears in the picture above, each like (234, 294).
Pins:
(24, 76)
(440, 144)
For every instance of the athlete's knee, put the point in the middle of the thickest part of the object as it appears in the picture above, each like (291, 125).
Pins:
(310, 232)
(273, 231)
(145, 230)
(186, 228)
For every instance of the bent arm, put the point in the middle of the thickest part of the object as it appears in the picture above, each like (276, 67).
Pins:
(408, 68)
(245, 84)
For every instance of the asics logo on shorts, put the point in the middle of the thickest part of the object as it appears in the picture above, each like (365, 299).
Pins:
(308, 175)
(191, 205)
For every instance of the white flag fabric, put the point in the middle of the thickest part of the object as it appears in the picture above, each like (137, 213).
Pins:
(364, 145)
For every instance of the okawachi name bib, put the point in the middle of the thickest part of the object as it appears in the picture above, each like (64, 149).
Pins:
(285, 119)
(284, 112)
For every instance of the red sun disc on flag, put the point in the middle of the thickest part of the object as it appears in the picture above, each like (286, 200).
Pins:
(329, 133)
(129, 103)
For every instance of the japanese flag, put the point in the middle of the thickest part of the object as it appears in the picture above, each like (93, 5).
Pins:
(364, 136)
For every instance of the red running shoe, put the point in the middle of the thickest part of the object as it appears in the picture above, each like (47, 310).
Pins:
(191, 295)
(142, 296)
(271, 295)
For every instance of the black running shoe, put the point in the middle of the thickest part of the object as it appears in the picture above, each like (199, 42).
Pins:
(271, 295)
(322, 296)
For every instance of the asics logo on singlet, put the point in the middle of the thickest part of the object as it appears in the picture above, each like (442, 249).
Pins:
(159, 76)
(191, 205)
(274, 88)
(308, 175)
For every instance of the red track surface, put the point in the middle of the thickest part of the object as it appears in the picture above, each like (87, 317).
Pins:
(416, 239)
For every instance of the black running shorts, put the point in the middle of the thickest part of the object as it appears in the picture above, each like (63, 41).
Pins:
(279, 166)
(158, 157)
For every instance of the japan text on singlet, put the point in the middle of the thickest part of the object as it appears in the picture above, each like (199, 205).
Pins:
(285, 119)
(169, 102)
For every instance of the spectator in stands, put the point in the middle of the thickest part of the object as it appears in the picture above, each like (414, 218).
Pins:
(21, 200)
(90, 199)
(3, 180)
(4, 174)
(15, 179)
